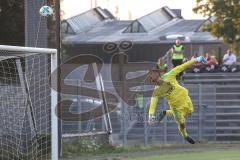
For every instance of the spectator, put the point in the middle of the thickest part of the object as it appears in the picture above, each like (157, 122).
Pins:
(177, 53)
(207, 57)
(177, 56)
(212, 61)
(140, 100)
(229, 61)
(212, 64)
(229, 58)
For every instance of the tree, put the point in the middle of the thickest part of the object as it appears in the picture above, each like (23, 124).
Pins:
(12, 22)
(53, 23)
(226, 23)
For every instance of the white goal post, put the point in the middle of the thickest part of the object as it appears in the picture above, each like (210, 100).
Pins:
(29, 124)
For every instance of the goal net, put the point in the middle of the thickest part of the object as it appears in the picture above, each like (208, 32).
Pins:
(27, 116)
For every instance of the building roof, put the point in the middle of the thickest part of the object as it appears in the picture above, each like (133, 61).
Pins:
(151, 21)
(87, 19)
(161, 26)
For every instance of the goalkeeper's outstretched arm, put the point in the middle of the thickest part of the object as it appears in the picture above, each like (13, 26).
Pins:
(175, 71)
(153, 105)
(152, 108)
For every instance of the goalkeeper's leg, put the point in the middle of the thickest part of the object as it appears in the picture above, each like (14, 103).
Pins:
(162, 114)
(179, 117)
(183, 131)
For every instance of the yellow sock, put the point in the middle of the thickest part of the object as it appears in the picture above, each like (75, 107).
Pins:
(182, 130)
(169, 113)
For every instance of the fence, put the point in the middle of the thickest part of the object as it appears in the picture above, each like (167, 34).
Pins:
(130, 111)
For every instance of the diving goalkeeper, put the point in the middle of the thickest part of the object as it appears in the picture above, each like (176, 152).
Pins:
(177, 96)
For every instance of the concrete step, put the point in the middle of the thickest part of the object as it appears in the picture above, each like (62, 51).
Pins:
(231, 128)
(223, 114)
(225, 120)
(219, 102)
(229, 95)
(227, 102)
(227, 116)
(228, 137)
(228, 110)
(227, 106)
(228, 124)
(213, 81)
(228, 134)
(228, 88)
(211, 75)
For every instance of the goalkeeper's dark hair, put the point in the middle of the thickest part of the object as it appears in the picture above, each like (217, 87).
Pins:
(150, 72)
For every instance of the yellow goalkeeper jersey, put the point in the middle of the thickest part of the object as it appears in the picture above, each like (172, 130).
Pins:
(176, 95)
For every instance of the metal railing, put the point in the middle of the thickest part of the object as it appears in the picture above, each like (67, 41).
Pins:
(129, 119)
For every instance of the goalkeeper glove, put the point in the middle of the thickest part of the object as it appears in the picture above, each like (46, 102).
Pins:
(151, 119)
(200, 59)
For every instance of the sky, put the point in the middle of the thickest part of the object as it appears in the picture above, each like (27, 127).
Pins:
(129, 9)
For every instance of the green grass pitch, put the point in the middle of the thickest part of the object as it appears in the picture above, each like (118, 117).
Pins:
(209, 155)
(208, 151)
